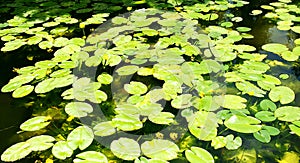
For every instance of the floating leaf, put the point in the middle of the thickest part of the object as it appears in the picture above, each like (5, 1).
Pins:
(231, 101)
(275, 48)
(199, 155)
(62, 150)
(160, 149)
(90, 157)
(35, 123)
(45, 86)
(127, 70)
(135, 88)
(23, 91)
(78, 109)
(295, 127)
(161, 118)
(125, 148)
(127, 122)
(283, 94)
(41, 142)
(81, 137)
(104, 129)
(232, 143)
(105, 78)
(16, 152)
(182, 101)
(267, 105)
(296, 29)
(218, 142)
(288, 113)
(11, 86)
(265, 116)
(243, 124)
(262, 136)
(13, 45)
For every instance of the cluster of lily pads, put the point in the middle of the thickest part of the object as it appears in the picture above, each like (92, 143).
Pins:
(191, 62)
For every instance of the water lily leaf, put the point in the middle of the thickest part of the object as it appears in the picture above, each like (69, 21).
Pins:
(45, 45)
(34, 40)
(150, 108)
(62, 150)
(232, 143)
(296, 29)
(182, 101)
(144, 160)
(268, 82)
(249, 88)
(127, 70)
(275, 48)
(35, 123)
(267, 105)
(145, 71)
(237, 19)
(68, 64)
(262, 136)
(45, 86)
(90, 157)
(265, 116)
(125, 148)
(160, 149)
(168, 22)
(283, 94)
(105, 78)
(60, 42)
(271, 130)
(204, 125)
(243, 124)
(231, 102)
(119, 20)
(60, 73)
(295, 127)
(41, 142)
(218, 142)
(243, 29)
(134, 87)
(104, 129)
(161, 118)
(256, 12)
(51, 24)
(288, 113)
(77, 41)
(290, 56)
(81, 137)
(199, 155)
(13, 45)
(11, 86)
(45, 64)
(78, 109)
(16, 152)
(23, 91)
(127, 122)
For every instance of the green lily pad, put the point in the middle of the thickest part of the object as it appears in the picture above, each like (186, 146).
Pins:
(45, 64)
(160, 149)
(265, 116)
(105, 78)
(275, 48)
(23, 91)
(90, 157)
(35, 123)
(125, 148)
(45, 86)
(62, 150)
(273, 131)
(81, 137)
(283, 94)
(134, 87)
(243, 29)
(295, 127)
(296, 29)
(288, 113)
(233, 143)
(199, 155)
(78, 109)
(182, 101)
(127, 122)
(250, 89)
(204, 125)
(16, 152)
(243, 124)
(267, 105)
(11, 86)
(41, 142)
(13, 45)
(162, 118)
(232, 102)
(127, 70)
(218, 142)
(104, 129)
(34, 40)
(262, 136)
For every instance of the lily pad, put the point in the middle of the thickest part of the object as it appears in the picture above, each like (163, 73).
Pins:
(81, 137)
(90, 157)
(125, 148)
(23, 91)
(127, 122)
(162, 118)
(288, 113)
(41, 142)
(243, 124)
(267, 105)
(295, 127)
(231, 101)
(35, 123)
(16, 152)
(160, 149)
(104, 129)
(233, 143)
(62, 150)
(265, 116)
(78, 109)
(283, 94)
(134, 87)
(127, 70)
(199, 155)
(275, 48)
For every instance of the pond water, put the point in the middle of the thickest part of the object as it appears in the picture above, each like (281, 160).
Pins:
(13, 112)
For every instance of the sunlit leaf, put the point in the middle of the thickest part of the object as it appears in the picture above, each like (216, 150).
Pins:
(90, 157)
(78, 109)
(160, 149)
(199, 155)
(125, 148)
(35, 123)
(81, 137)
(62, 150)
